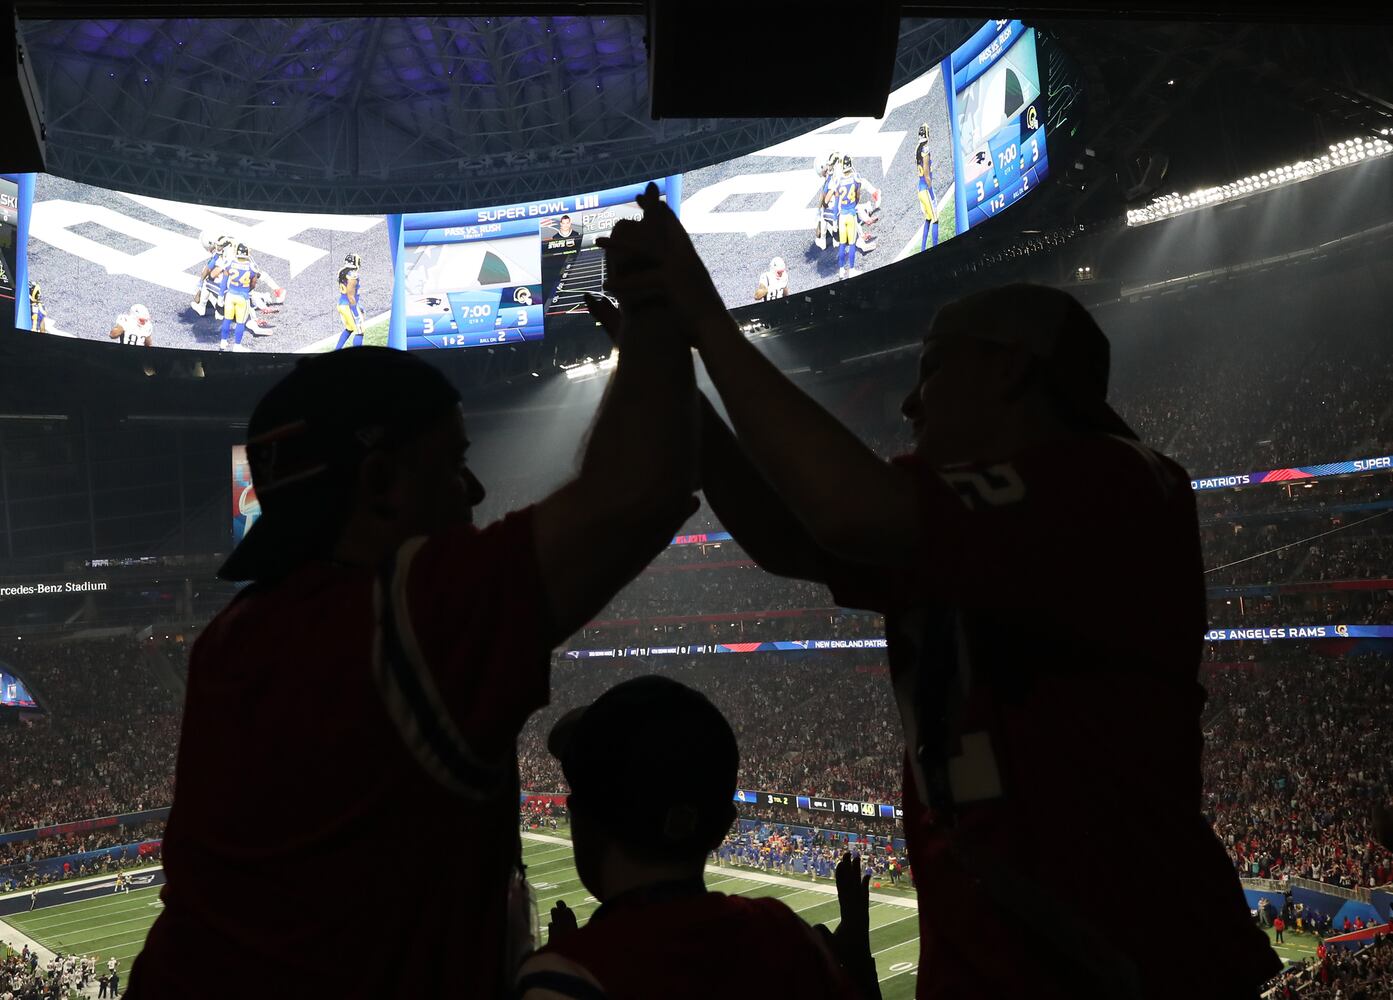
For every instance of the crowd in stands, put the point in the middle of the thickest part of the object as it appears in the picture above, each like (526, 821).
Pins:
(1298, 550)
(1261, 400)
(1295, 762)
(59, 845)
(1349, 607)
(19, 861)
(105, 745)
(817, 726)
(1339, 974)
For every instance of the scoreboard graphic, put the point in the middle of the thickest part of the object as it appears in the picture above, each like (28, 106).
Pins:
(9, 240)
(998, 116)
(494, 275)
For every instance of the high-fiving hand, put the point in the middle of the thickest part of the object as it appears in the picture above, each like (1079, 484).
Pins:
(854, 900)
(653, 259)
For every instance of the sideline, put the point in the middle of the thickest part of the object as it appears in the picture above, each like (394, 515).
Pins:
(74, 882)
(757, 876)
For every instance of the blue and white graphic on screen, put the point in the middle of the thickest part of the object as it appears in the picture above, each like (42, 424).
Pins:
(998, 120)
(13, 693)
(485, 276)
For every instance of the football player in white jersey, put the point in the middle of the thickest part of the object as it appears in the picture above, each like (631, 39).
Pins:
(217, 246)
(134, 327)
(773, 283)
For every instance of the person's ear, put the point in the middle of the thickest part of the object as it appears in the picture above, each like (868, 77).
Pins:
(377, 478)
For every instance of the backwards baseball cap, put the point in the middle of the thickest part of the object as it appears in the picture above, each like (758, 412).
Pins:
(658, 744)
(307, 438)
(1071, 352)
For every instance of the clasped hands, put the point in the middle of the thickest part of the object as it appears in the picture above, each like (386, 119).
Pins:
(651, 264)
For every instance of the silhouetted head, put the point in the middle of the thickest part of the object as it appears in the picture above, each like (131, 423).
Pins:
(652, 767)
(997, 361)
(362, 449)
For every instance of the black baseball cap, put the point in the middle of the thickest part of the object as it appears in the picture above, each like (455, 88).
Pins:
(307, 437)
(654, 762)
(1073, 355)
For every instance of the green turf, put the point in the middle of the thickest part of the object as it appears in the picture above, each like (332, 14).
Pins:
(948, 221)
(374, 335)
(1294, 946)
(116, 924)
(112, 924)
(894, 929)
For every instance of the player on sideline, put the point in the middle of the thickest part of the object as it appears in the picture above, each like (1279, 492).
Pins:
(431, 639)
(38, 315)
(658, 926)
(134, 327)
(773, 283)
(1024, 492)
(350, 289)
(923, 161)
(237, 278)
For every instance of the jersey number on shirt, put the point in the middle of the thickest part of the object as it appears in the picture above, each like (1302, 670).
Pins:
(994, 486)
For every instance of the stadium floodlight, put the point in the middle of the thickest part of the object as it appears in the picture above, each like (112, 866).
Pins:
(1342, 154)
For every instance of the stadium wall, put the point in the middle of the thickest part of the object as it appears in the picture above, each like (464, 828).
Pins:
(1337, 906)
(56, 866)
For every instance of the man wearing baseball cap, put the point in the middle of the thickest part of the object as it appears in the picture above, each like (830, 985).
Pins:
(1040, 573)
(357, 704)
(652, 765)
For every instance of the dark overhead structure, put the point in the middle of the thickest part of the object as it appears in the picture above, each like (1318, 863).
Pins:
(373, 114)
(732, 59)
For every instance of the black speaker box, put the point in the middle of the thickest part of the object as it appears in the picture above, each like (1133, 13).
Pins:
(770, 60)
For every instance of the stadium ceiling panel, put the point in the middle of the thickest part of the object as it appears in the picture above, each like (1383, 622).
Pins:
(354, 114)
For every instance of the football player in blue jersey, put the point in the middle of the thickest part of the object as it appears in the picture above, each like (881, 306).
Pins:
(350, 311)
(846, 200)
(38, 315)
(923, 162)
(237, 278)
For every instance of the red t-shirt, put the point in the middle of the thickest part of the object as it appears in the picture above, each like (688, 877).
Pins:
(1044, 648)
(694, 947)
(345, 808)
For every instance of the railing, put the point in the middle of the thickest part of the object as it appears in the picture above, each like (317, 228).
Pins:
(1358, 894)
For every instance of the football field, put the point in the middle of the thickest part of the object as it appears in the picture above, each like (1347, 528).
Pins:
(116, 924)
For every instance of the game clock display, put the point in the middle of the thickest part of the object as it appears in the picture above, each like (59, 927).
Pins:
(998, 120)
(476, 317)
(498, 275)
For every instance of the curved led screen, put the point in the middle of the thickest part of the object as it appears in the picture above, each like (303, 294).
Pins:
(957, 145)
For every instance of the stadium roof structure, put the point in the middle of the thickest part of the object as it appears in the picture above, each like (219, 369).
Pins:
(372, 114)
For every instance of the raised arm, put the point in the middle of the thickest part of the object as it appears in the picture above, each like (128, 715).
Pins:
(742, 501)
(636, 478)
(853, 503)
(749, 508)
